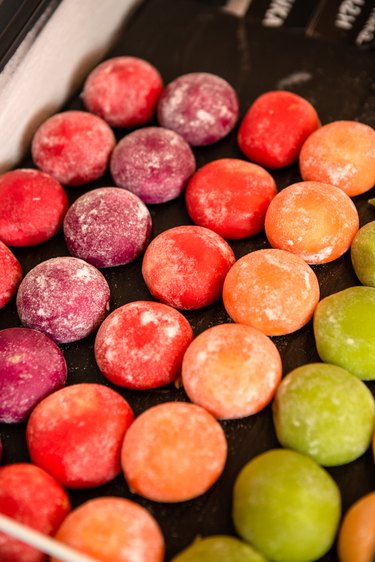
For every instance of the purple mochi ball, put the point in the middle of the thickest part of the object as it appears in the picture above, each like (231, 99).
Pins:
(31, 368)
(66, 298)
(107, 227)
(202, 108)
(154, 163)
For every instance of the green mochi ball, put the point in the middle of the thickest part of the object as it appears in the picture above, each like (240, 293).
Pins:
(363, 254)
(286, 506)
(219, 548)
(344, 328)
(325, 412)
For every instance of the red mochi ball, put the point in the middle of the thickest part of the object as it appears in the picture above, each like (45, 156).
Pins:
(275, 127)
(33, 498)
(123, 91)
(185, 266)
(33, 205)
(73, 146)
(230, 197)
(141, 345)
(76, 433)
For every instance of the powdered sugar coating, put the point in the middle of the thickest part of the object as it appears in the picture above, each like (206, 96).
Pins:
(230, 197)
(113, 530)
(123, 91)
(154, 163)
(185, 266)
(344, 330)
(314, 220)
(201, 107)
(107, 227)
(76, 433)
(10, 274)
(173, 452)
(73, 146)
(33, 498)
(33, 205)
(275, 128)
(66, 298)
(341, 153)
(141, 345)
(325, 412)
(231, 370)
(271, 290)
(31, 367)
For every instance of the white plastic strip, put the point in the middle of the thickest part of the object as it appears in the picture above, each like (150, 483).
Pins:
(50, 64)
(41, 542)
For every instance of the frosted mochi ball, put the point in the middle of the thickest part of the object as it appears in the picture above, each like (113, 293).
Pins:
(66, 298)
(123, 91)
(201, 107)
(344, 329)
(341, 153)
(107, 227)
(154, 163)
(141, 345)
(325, 412)
(73, 146)
(286, 506)
(185, 266)
(31, 367)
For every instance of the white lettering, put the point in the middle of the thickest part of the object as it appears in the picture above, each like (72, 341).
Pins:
(347, 13)
(368, 32)
(277, 13)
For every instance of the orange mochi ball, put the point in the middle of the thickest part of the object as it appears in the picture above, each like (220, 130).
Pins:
(271, 290)
(341, 153)
(231, 370)
(174, 452)
(356, 541)
(113, 530)
(313, 220)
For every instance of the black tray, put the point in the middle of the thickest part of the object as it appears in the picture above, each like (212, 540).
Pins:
(184, 36)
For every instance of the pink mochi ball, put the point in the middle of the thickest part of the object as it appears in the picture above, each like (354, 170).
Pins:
(154, 163)
(66, 298)
(107, 227)
(31, 367)
(201, 107)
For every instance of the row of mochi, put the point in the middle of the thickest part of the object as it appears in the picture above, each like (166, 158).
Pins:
(201, 108)
(112, 226)
(67, 298)
(229, 196)
(189, 267)
(121, 530)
